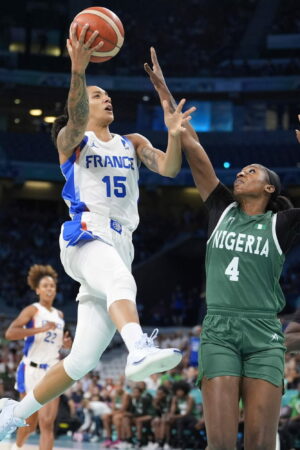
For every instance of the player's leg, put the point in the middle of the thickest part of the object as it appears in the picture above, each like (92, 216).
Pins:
(24, 432)
(262, 401)
(221, 411)
(107, 425)
(262, 383)
(46, 418)
(103, 273)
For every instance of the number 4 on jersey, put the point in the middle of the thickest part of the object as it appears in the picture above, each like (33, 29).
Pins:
(232, 269)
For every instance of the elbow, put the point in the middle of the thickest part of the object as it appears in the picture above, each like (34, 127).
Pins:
(171, 173)
(8, 335)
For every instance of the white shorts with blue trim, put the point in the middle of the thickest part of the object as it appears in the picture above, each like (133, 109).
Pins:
(101, 265)
(27, 377)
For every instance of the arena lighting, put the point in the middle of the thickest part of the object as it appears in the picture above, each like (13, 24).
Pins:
(35, 112)
(38, 185)
(190, 191)
(17, 120)
(49, 119)
(226, 165)
(17, 101)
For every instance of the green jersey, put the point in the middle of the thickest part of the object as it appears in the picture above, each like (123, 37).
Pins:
(244, 262)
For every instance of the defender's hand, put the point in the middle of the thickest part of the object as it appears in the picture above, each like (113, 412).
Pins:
(155, 74)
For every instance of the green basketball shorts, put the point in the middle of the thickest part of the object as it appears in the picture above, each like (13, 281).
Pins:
(242, 344)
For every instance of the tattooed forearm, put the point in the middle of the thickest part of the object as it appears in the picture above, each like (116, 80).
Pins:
(78, 104)
(149, 158)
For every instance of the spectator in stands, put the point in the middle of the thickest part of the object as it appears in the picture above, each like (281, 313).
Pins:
(292, 426)
(141, 413)
(292, 333)
(182, 413)
(161, 405)
(194, 345)
(120, 403)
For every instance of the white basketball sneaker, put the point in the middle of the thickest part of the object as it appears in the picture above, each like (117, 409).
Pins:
(147, 359)
(8, 422)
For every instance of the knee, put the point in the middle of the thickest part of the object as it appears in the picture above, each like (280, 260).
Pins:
(77, 364)
(46, 423)
(122, 287)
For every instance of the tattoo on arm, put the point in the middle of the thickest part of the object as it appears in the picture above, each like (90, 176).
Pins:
(150, 158)
(78, 104)
(78, 100)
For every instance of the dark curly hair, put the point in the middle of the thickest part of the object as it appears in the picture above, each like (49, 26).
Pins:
(37, 272)
(181, 385)
(59, 123)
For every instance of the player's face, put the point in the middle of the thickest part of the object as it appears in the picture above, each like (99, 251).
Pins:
(100, 106)
(251, 181)
(46, 290)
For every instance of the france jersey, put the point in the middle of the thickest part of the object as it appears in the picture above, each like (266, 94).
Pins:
(43, 348)
(101, 180)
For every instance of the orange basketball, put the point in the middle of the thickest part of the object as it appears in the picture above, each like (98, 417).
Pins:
(110, 29)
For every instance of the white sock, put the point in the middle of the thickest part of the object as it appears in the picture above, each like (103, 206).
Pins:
(27, 406)
(131, 332)
(15, 447)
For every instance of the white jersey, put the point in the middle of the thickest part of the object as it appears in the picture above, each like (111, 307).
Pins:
(43, 348)
(101, 179)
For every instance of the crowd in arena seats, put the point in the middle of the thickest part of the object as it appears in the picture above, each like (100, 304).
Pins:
(29, 235)
(165, 411)
(191, 36)
(287, 20)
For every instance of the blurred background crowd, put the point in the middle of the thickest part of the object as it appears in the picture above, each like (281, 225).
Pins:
(238, 62)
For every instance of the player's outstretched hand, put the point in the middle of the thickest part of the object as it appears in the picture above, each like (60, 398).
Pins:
(79, 50)
(175, 120)
(155, 74)
(297, 131)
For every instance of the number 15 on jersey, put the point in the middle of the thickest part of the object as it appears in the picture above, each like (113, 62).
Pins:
(115, 185)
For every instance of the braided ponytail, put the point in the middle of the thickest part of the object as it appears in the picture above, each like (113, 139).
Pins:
(59, 123)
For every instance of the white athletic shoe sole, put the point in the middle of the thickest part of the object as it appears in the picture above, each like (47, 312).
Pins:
(9, 423)
(160, 361)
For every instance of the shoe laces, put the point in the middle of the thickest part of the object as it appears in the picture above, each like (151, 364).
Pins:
(147, 341)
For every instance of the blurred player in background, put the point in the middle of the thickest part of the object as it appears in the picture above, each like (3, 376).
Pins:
(101, 190)
(42, 327)
(242, 344)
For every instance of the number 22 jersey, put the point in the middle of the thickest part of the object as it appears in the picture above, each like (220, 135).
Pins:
(43, 348)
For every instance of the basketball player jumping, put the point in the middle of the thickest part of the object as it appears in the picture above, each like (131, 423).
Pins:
(101, 190)
(242, 344)
(42, 327)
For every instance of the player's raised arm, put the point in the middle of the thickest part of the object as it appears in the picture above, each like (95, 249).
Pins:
(80, 52)
(202, 169)
(166, 163)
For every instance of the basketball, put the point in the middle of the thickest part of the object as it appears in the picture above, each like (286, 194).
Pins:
(110, 29)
